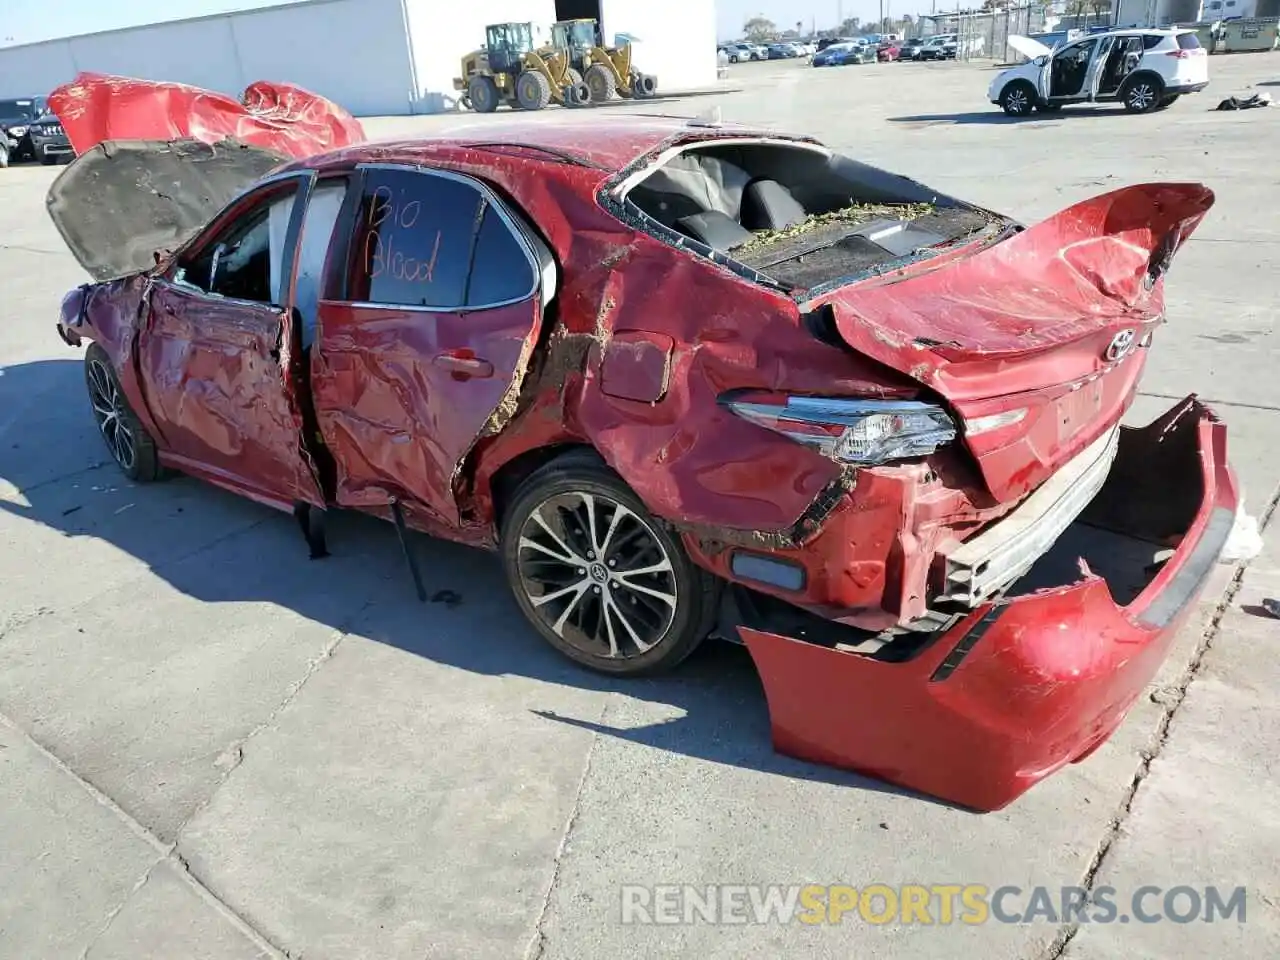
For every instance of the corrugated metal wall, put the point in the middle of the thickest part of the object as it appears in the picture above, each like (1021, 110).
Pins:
(355, 52)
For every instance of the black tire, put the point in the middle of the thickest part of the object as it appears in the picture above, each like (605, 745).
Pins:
(645, 85)
(4, 154)
(1142, 93)
(603, 83)
(483, 94)
(533, 90)
(1018, 99)
(574, 76)
(127, 440)
(592, 604)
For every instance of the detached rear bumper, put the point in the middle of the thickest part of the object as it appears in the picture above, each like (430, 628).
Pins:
(1042, 676)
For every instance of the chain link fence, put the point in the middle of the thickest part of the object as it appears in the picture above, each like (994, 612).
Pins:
(984, 35)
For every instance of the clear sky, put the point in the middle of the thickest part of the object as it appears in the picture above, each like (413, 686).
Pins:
(26, 21)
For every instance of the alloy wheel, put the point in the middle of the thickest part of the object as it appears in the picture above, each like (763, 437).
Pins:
(1017, 101)
(597, 575)
(109, 412)
(1142, 96)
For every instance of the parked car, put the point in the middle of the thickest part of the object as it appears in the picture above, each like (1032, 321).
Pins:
(739, 52)
(841, 54)
(781, 51)
(940, 47)
(46, 141)
(888, 51)
(823, 466)
(15, 117)
(910, 49)
(1143, 69)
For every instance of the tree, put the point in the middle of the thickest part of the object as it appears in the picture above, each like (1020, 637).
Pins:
(1100, 7)
(759, 28)
(851, 26)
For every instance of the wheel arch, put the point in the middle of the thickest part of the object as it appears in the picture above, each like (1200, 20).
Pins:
(1144, 74)
(508, 475)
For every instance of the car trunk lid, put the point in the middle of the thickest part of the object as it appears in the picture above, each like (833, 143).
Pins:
(1035, 341)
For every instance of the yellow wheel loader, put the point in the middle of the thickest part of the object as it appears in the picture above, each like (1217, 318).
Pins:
(508, 70)
(607, 71)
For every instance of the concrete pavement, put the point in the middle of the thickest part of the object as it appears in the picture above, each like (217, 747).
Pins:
(213, 748)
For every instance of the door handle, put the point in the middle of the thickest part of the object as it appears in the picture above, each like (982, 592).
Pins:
(464, 364)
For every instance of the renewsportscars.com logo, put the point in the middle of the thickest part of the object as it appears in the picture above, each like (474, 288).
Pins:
(935, 904)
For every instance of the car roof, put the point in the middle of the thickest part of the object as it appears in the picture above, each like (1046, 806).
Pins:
(609, 143)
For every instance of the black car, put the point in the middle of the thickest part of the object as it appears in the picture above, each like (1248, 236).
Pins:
(46, 141)
(30, 132)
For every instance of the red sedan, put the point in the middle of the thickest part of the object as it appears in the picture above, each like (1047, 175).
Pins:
(691, 380)
(887, 52)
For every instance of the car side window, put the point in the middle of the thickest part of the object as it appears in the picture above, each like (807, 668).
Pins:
(423, 239)
(1151, 41)
(245, 260)
(1079, 53)
(500, 271)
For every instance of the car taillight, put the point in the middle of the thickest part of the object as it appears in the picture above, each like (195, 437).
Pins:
(862, 432)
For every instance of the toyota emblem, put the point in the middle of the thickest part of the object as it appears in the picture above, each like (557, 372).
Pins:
(1120, 346)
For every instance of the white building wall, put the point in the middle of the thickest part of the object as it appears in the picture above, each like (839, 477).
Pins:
(355, 52)
(675, 40)
(374, 57)
(441, 32)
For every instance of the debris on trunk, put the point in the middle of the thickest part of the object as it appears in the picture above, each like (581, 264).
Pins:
(853, 215)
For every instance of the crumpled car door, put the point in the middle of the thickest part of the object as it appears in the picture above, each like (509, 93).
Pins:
(424, 343)
(216, 361)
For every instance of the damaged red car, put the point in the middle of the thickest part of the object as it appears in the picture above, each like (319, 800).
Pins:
(691, 380)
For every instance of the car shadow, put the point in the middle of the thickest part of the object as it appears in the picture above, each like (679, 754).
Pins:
(996, 117)
(218, 548)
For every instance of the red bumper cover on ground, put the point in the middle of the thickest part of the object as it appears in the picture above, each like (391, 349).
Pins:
(1031, 682)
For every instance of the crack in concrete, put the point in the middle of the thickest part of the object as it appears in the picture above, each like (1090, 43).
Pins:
(1212, 402)
(119, 908)
(17, 621)
(70, 475)
(1171, 699)
(538, 939)
(233, 756)
(167, 852)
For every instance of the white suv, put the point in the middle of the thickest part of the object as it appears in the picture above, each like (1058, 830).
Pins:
(1143, 69)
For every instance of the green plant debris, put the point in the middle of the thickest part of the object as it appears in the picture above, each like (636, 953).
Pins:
(855, 213)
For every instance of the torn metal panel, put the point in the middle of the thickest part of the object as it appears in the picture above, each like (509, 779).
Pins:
(280, 117)
(1037, 680)
(400, 401)
(120, 203)
(216, 381)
